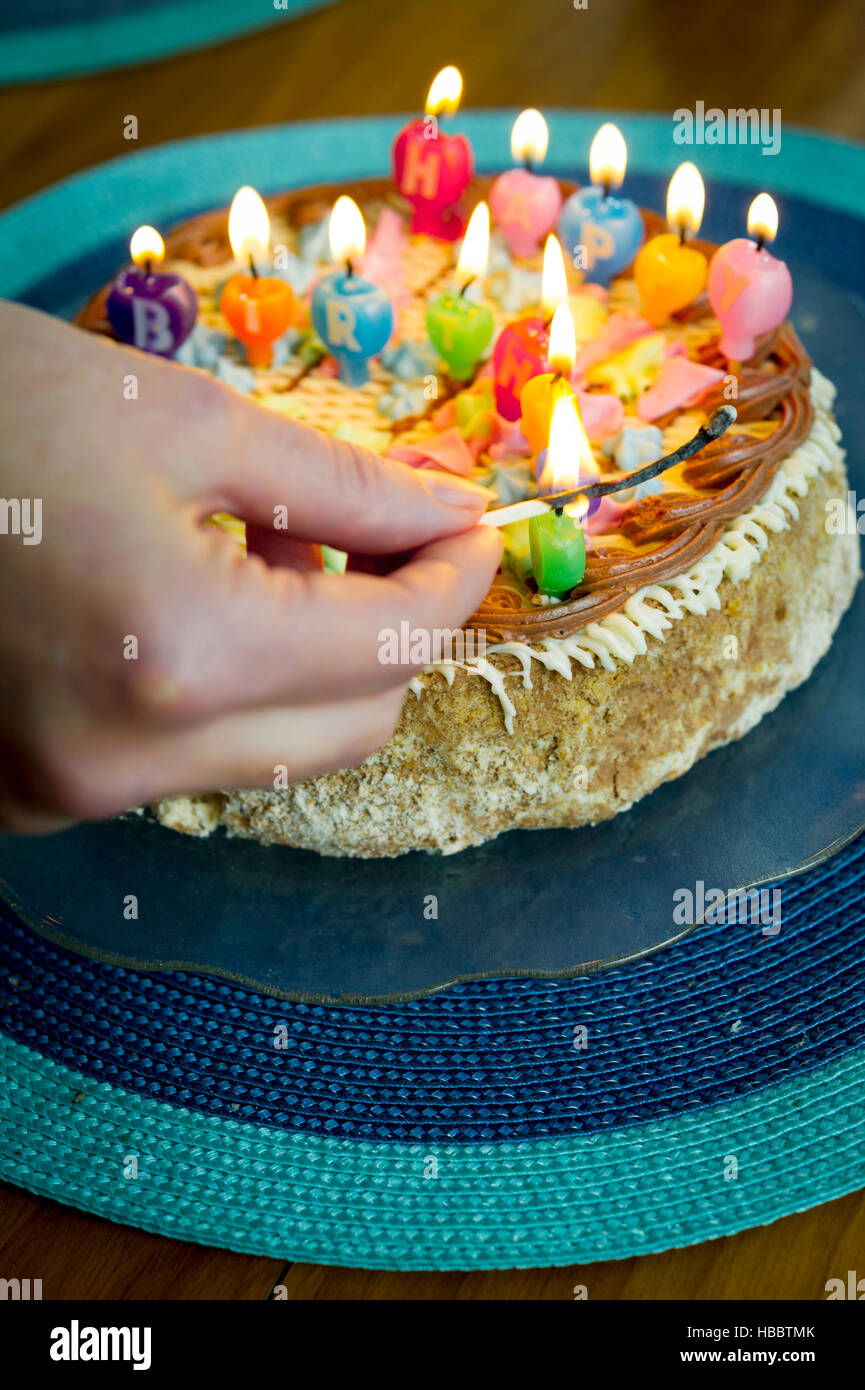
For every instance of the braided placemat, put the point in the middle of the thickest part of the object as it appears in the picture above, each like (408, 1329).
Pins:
(718, 1085)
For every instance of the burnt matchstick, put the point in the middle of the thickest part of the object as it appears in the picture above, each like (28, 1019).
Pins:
(714, 427)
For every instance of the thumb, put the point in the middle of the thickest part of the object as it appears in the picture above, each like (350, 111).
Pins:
(332, 491)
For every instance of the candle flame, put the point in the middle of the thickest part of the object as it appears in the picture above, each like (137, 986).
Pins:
(562, 351)
(608, 156)
(445, 91)
(146, 245)
(346, 230)
(763, 217)
(530, 136)
(554, 281)
(686, 199)
(569, 456)
(476, 246)
(248, 226)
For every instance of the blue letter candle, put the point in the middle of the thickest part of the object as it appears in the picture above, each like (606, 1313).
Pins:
(352, 316)
(609, 230)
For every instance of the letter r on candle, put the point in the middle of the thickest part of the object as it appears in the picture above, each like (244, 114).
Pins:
(151, 325)
(340, 325)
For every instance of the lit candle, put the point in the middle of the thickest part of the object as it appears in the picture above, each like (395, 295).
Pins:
(750, 291)
(152, 311)
(259, 308)
(352, 316)
(610, 230)
(540, 393)
(526, 204)
(432, 169)
(669, 273)
(521, 348)
(459, 327)
(558, 547)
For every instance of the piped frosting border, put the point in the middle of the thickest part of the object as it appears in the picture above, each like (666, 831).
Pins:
(652, 610)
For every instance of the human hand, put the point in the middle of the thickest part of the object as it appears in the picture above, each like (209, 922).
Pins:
(237, 668)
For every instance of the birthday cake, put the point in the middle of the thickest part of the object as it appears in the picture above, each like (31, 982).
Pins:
(704, 593)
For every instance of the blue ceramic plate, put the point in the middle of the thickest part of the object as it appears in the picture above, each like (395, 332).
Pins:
(533, 902)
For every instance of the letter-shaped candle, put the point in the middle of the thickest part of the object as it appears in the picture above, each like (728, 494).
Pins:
(602, 233)
(521, 348)
(258, 307)
(750, 291)
(670, 274)
(431, 168)
(352, 316)
(556, 539)
(459, 327)
(525, 204)
(150, 310)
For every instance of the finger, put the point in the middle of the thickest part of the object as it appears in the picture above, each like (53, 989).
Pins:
(109, 772)
(266, 469)
(255, 636)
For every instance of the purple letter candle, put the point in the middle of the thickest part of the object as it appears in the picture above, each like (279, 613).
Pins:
(153, 312)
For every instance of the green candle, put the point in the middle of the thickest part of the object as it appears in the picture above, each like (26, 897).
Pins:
(460, 328)
(558, 553)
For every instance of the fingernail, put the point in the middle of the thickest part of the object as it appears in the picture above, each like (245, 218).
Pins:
(456, 492)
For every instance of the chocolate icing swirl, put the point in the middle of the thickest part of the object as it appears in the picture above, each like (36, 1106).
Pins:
(677, 529)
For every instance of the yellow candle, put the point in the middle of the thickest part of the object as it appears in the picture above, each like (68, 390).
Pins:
(670, 274)
(540, 393)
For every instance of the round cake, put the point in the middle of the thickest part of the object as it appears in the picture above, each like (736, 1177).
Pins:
(708, 593)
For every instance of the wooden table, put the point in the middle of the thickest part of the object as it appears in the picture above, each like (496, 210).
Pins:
(365, 56)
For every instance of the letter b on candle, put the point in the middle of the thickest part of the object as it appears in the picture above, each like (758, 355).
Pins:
(151, 325)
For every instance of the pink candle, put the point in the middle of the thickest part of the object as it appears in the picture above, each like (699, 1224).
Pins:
(431, 169)
(526, 204)
(750, 290)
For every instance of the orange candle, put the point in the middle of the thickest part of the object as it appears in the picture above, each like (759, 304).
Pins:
(670, 274)
(540, 393)
(259, 308)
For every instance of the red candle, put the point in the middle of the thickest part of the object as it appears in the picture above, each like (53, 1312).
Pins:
(432, 169)
(259, 308)
(522, 347)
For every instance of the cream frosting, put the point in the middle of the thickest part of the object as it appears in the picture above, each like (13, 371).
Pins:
(652, 610)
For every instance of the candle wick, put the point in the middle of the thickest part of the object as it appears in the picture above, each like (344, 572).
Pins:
(148, 266)
(469, 281)
(349, 268)
(606, 192)
(682, 231)
(252, 268)
(761, 240)
(528, 164)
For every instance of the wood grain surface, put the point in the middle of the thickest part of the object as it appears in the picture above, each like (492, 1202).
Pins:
(366, 56)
